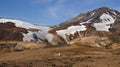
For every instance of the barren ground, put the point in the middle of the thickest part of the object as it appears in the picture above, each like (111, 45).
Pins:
(71, 56)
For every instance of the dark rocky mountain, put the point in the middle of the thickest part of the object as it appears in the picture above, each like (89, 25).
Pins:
(8, 31)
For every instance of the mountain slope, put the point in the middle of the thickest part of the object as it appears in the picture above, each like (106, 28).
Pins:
(22, 24)
(12, 29)
(94, 25)
(101, 22)
(92, 16)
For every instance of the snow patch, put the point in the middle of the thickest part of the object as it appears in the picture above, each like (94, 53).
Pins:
(23, 24)
(28, 36)
(114, 12)
(49, 37)
(41, 35)
(92, 14)
(71, 30)
(88, 21)
(104, 25)
(46, 35)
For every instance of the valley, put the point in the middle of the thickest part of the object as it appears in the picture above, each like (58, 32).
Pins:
(91, 39)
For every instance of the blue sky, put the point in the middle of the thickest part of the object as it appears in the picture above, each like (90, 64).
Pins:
(50, 12)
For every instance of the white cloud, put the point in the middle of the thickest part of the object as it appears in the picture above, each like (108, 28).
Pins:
(64, 8)
(60, 9)
(53, 11)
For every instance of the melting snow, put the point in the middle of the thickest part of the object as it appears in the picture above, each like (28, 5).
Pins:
(40, 34)
(71, 30)
(28, 36)
(49, 37)
(114, 12)
(104, 25)
(46, 35)
(80, 17)
(92, 13)
(23, 24)
(86, 22)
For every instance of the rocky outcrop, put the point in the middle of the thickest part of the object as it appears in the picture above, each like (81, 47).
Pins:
(115, 46)
(57, 40)
(10, 35)
(8, 31)
(86, 41)
(43, 42)
(75, 41)
(91, 41)
(18, 48)
(10, 47)
(9, 26)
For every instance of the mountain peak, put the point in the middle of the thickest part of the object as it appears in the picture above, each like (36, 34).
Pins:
(92, 16)
(99, 22)
(106, 8)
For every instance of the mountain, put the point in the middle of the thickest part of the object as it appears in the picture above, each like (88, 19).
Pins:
(16, 30)
(103, 22)
(98, 27)
(91, 39)
(94, 16)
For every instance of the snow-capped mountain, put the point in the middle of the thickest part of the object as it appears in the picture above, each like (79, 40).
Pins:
(100, 22)
(95, 16)
(11, 29)
(22, 24)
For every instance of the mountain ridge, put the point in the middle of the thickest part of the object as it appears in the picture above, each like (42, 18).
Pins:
(100, 22)
(89, 13)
